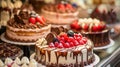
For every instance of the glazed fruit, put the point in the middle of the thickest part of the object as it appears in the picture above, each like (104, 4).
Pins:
(39, 19)
(67, 40)
(88, 25)
(35, 18)
(64, 6)
(32, 20)
(75, 25)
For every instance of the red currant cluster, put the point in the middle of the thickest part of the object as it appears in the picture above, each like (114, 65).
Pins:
(68, 40)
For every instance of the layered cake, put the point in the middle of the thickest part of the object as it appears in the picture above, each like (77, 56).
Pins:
(64, 50)
(60, 13)
(105, 13)
(94, 29)
(6, 10)
(8, 50)
(26, 26)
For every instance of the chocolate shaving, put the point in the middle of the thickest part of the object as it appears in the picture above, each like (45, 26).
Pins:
(50, 37)
(18, 19)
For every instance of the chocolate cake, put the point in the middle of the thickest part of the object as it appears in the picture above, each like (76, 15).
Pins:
(8, 50)
(94, 29)
(105, 13)
(26, 26)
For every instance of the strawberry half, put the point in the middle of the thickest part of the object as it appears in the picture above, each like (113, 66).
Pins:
(94, 29)
(32, 20)
(68, 6)
(75, 25)
(61, 6)
(40, 19)
(86, 27)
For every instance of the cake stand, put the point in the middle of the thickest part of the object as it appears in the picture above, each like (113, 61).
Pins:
(97, 60)
(107, 46)
(25, 45)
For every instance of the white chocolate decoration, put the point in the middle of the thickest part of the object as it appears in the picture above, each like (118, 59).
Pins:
(25, 60)
(1, 63)
(24, 65)
(17, 61)
(15, 65)
(8, 61)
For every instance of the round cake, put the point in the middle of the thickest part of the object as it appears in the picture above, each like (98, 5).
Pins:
(64, 50)
(26, 26)
(105, 13)
(8, 50)
(60, 13)
(94, 29)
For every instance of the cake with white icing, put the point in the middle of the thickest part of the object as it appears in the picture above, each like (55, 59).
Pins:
(94, 29)
(65, 50)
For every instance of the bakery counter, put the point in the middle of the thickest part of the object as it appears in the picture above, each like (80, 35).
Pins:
(110, 57)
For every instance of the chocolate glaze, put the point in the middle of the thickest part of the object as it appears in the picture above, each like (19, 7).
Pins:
(63, 53)
(99, 38)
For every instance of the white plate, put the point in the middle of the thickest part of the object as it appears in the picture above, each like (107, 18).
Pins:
(107, 46)
(97, 60)
(15, 42)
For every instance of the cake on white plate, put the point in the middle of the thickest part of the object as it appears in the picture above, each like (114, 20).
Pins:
(65, 49)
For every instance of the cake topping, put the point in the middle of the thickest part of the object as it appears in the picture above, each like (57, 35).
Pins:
(88, 25)
(17, 61)
(41, 42)
(15, 65)
(1, 63)
(32, 63)
(105, 13)
(24, 65)
(67, 40)
(25, 60)
(8, 61)
(27, 19)
(60, 7)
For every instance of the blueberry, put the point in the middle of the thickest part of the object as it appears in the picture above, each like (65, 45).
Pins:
(55, 40)
(74, 5)
(70, 33)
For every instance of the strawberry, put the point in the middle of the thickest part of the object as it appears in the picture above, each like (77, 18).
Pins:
(61, 6)
(51, 45)
(32, 20)
(68, 6)
(66, 45)
(84, 39)
(81, 42)
(56, 44)
(99, 27)
(40, 19)
(76, 43)
(86, 27)
(94, 29)
(75, 25)
(60, 45)
(71, 44)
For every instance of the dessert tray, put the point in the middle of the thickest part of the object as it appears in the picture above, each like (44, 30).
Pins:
(97, 60)
(107, 46)
(15, 42)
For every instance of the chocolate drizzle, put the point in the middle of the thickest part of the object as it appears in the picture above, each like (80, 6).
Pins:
(75, 53)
